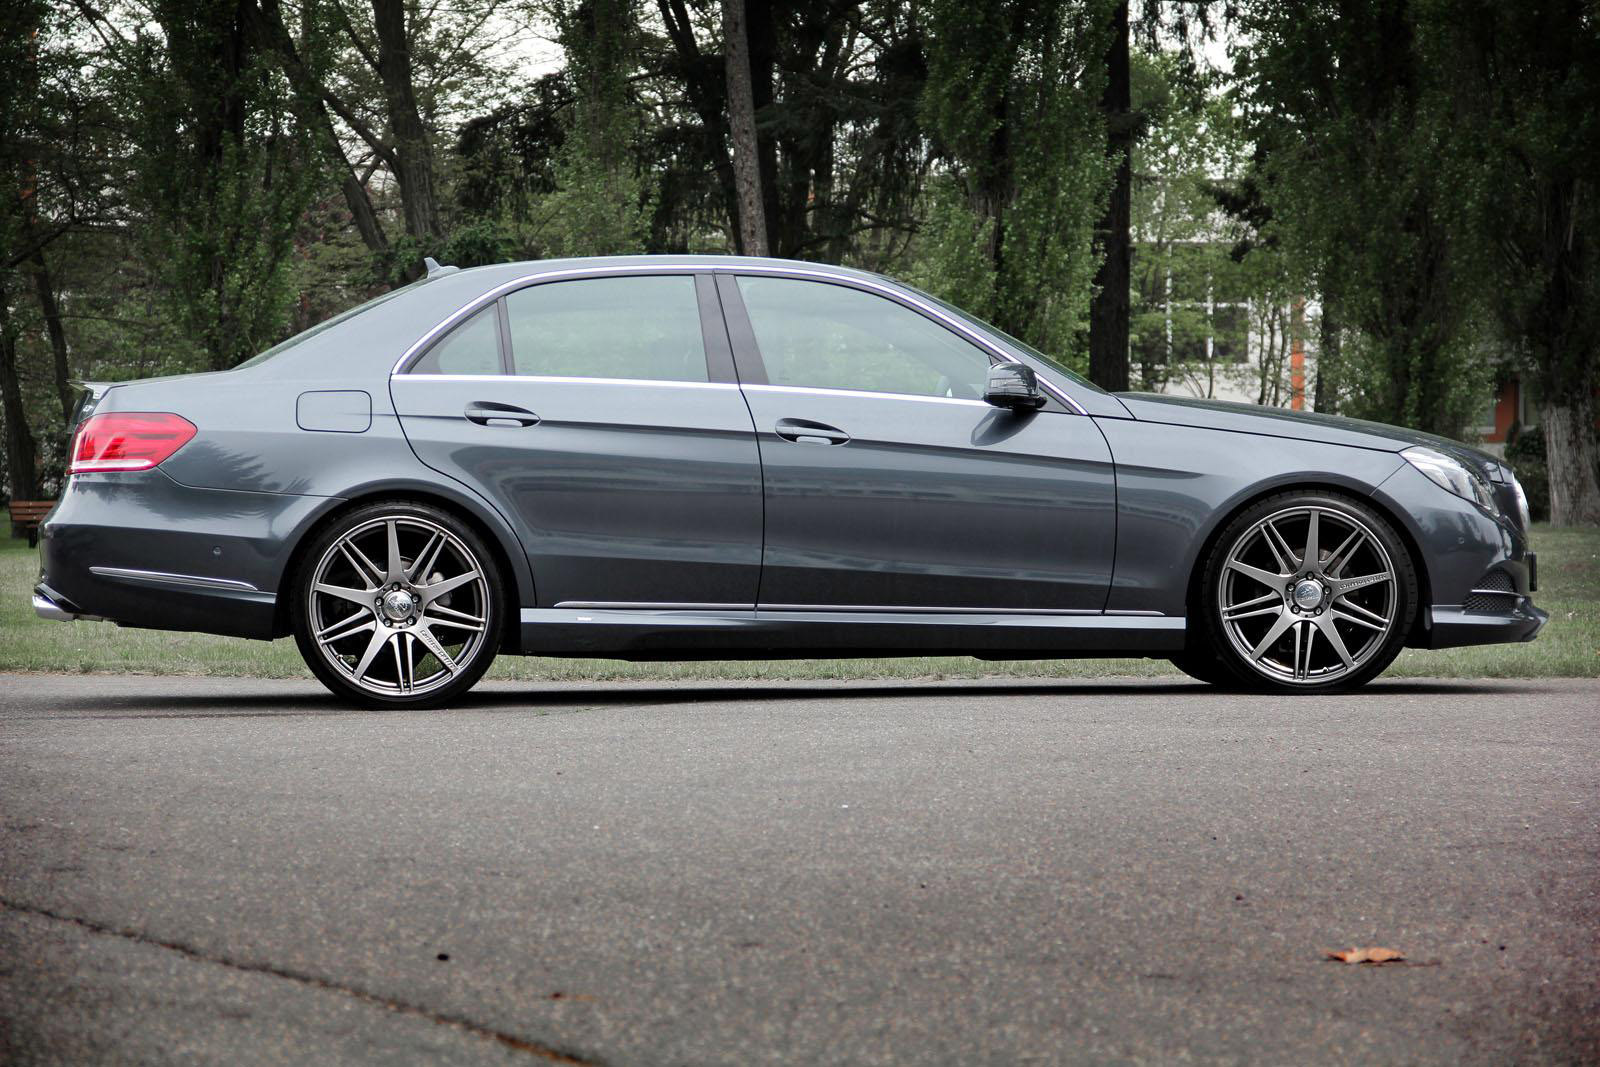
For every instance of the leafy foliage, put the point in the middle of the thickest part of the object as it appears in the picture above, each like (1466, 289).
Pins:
(1404, 186)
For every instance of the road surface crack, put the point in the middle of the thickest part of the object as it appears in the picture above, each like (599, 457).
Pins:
(454, 1022)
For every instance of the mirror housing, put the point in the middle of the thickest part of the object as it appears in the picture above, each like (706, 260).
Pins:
(1013, 386)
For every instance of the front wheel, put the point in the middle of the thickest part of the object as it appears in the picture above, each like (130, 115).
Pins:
(1305, 592)
(398, 605)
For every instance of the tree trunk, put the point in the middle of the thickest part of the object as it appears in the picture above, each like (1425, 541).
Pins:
(312, 109)
(1572, 458)
(701, 88)
(44, 286)
(21, 455)
(1108, 314)
(1325, 396)
(742, 122)
(413, 148)
(761, 36)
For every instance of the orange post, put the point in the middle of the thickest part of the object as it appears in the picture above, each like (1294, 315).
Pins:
(1297, 357)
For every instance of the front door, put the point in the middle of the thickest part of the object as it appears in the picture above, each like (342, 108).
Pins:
(889, 482)
(587, 411)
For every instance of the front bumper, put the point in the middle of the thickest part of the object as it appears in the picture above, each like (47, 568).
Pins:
(1475, 567)
(1452, 627)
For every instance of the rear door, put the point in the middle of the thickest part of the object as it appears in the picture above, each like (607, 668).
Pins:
(593, 414)
(890, 483)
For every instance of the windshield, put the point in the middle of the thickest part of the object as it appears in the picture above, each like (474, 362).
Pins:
(326, 324)
(1021, 346)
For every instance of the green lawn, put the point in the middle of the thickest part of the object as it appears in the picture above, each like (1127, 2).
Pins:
(1569, 575)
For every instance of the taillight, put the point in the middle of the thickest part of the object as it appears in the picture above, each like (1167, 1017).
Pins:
(128, 441)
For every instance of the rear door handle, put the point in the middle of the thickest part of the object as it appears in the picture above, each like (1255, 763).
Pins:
(489, 413)
(806, 432)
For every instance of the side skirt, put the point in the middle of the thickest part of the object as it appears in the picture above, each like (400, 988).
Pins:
(712, 632)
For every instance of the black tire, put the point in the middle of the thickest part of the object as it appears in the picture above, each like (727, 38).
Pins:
(481, 603)
(1218, 650)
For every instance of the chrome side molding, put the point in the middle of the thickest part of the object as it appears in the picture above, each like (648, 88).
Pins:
(162, 578)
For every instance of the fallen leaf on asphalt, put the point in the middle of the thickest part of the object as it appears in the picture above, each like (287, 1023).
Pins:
(1367, 955)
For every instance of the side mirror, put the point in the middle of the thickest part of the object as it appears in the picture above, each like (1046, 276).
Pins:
(1013, 386)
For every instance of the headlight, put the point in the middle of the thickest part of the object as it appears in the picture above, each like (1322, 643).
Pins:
(1452, 475)
(1522, 503)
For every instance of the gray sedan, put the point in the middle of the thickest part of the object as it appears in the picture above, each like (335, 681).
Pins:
(708, 458)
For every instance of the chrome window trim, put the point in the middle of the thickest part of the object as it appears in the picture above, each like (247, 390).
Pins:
(689, 270)
(162, 577)
(557, 379)
(479, 302)
(823, 390)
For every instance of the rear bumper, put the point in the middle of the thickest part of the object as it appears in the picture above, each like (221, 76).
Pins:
(141, 550)
(1451, 627)
(49, 604)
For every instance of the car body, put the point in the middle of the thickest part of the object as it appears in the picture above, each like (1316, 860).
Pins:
(721, 457)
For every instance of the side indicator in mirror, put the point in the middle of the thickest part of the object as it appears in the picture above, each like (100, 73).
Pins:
(1013, 386)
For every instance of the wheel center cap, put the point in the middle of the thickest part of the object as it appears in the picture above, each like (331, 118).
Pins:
(1307, 594)
(398, 604)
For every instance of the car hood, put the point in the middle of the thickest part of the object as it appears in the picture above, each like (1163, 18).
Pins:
(1300, 425)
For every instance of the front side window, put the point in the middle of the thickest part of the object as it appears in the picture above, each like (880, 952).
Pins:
(824, 336)
(640, 327)
(471, 348)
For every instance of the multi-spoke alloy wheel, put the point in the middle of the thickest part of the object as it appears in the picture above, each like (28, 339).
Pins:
(1310, 591)
(398, 606)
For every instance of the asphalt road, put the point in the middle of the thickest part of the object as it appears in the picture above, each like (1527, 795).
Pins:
(239, 872)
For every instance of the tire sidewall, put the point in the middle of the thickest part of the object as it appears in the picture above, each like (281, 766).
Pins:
(300, 615)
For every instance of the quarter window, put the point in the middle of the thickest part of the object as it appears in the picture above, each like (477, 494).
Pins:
(824, 336)
(471, 348)
(638, 327)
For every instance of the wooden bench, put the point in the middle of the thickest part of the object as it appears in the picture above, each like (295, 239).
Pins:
(26, 515)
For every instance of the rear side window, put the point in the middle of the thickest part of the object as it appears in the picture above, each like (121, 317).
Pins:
(640, 327)
(823, 336)
(471, 348)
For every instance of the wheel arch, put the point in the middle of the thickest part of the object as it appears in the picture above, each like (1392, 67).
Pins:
(1192, 591)
(484, 521)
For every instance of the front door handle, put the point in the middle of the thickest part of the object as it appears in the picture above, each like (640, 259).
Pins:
(489, 413)
(806, 432)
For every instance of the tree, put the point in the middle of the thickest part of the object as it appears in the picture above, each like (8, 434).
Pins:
(1187, 320)
(742, 116)
(388, 72)
(1526, 80)
(1357, 174)
(1109, 309)
(224, 170)
(21, 452)
(600, 203)
(1012, 106)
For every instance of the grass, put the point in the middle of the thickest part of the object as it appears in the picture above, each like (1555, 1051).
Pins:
(1569, 576)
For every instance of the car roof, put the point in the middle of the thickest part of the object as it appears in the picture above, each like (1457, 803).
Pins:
(370, 338)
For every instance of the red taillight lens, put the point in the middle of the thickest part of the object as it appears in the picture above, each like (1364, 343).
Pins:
(128, 441)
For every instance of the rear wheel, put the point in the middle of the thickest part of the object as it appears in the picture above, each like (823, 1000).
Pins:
(398, 605)
(1305, 592)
